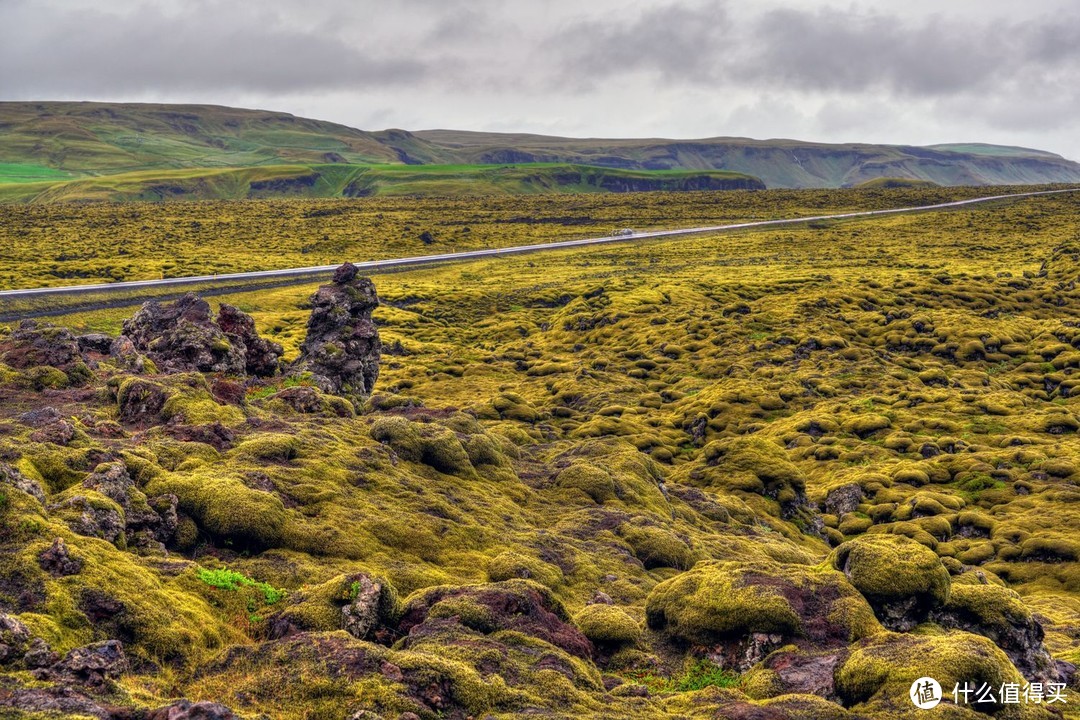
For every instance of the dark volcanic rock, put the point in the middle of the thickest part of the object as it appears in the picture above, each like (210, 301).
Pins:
(215, 434)
(261, 357)
(39, 655)
(360, 616)
(95, 342)
(40, 417)
(143, 525)
(58, 562)
(184, 336)
(141, 401)
(60, 432)
(93, 664)
(187, 710)
(809, 674)
(11, 476)
(65, 701)
(342, 346)
(844, 499)
(33, 344)
(519, 605)
(14, 638)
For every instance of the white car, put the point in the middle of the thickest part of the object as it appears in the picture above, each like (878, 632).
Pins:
(624, 231)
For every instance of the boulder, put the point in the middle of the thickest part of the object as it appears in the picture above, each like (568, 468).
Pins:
(91, 665)
(361, 614)
(261, 356)
(141, 401)
(998, 613)
(55, 701)
(742, 611)
(39, 655)
(184, 336)
(363, 606)
(519, 605)
(902, 580)
(342, 346)
(11, 476)
(844, 499)
(34, 344)
(14, 639)
(88, 517)
(145, 522)
(60, 432)
(99, 343)
(187, 710)
(58, 562)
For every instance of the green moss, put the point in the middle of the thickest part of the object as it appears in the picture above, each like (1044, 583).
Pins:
(892, 567)
(441, 449)
(718, 600)
(608, 625)
(225, 508)
(400, 434)
(877, 676)
(510, 565)
(589, 479)
(656, 547)
(865, 425)
(44, 377)
(274, 447)
(200, 408)
(225, 579)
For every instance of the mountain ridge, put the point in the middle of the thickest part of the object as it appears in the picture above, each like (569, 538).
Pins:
(47, 146)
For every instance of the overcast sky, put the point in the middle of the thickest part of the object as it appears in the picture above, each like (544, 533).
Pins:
(916, 72)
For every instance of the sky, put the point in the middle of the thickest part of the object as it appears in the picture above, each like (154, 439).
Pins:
(913, 72)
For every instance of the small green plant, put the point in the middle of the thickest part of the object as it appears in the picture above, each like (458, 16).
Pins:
(698, 675)
(225, 579)
(260, 393)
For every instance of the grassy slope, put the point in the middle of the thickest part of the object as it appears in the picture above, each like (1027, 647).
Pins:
(337, 180)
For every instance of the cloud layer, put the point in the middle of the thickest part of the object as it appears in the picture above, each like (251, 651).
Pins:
(968, 70)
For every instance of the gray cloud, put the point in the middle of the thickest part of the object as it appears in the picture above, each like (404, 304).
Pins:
(206, 46)
(834, 70)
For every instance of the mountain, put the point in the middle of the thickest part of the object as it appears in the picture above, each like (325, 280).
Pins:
(51, 151)
(779, 163)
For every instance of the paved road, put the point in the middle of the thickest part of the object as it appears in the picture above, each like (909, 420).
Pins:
(374, 266)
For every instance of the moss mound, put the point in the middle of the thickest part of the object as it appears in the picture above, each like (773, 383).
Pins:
(901, 578)
(717, 601)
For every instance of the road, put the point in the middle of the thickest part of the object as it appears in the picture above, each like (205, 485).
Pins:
(375, 266)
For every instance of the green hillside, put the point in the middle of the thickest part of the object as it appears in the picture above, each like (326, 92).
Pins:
(344, 180)
(68, 151)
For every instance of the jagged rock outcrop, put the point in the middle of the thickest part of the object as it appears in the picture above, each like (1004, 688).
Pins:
(11, 476)
(342, 347)
(41, 344)
(58, 561)
(184, 335)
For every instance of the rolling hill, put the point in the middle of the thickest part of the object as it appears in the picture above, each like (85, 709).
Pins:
(65, 151)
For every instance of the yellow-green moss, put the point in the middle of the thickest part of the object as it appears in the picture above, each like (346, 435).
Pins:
(889, 567)
(608, 625)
